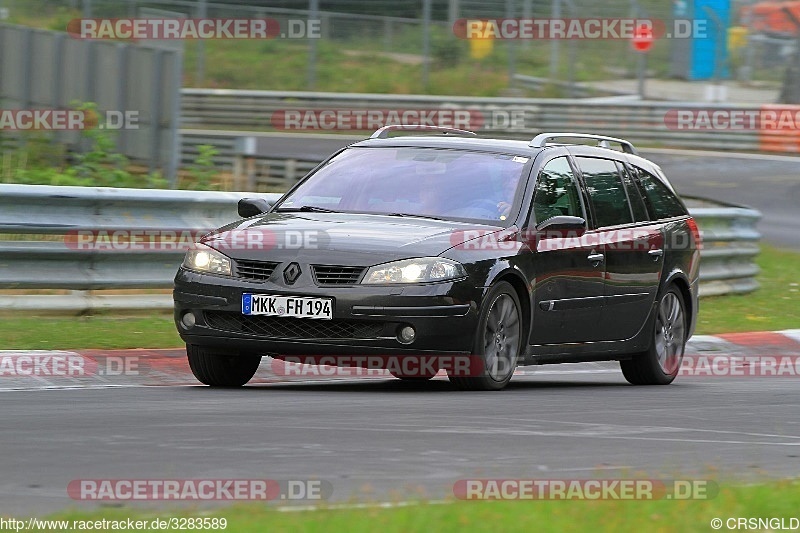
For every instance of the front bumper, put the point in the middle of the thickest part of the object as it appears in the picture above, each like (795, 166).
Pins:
(366, 319)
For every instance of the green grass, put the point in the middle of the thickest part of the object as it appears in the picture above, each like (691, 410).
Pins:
(775, 306)
(771, 500)
(283, 66)
(101, 331)
(367, 61)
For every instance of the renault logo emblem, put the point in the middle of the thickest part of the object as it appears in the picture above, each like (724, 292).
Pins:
(291, 273)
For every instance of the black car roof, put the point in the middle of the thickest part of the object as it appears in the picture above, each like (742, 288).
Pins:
(510, 146)
(461, 143)
(490, 145)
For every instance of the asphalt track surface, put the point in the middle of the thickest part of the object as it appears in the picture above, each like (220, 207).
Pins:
(768, 183)
(385, 439)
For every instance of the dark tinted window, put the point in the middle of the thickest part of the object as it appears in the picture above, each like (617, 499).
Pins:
(606, 191)
(556, 193)
(415, 181)
(661, 201)
(634, 197)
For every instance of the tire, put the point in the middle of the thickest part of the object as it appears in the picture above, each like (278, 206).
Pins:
(219, 369)
(661, 362)
(498, 340)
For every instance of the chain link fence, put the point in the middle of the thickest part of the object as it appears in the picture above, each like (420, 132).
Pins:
(409, 46)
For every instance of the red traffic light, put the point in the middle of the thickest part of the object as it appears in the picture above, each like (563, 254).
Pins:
(643, 38)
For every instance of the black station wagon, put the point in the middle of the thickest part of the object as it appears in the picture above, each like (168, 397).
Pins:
(443, 243)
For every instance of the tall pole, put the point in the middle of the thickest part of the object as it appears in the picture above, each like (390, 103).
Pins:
(554, 43)
(641, 70)
(452, 12)
(313, 14)
(512, 46)
(426, 41)
(200, 67)
(641, 60)
(527, 12)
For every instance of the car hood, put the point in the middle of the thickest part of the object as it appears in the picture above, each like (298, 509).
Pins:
(339, 238)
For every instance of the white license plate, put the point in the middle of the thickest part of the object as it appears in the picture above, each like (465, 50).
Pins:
(292, 306)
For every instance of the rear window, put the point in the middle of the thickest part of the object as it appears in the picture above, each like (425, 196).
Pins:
(660, 200)
(606, 191)
(634, 196)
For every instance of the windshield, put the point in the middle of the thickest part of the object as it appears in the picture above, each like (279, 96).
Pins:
(439, 183)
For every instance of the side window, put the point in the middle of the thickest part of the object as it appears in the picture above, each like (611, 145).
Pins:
(661, 201)
(556, 193)
(606, 191)
(634, 196)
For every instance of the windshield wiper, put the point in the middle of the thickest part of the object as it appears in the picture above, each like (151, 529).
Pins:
(306, 209)
(409, 215)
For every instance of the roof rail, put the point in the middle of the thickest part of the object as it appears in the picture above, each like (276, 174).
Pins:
(541, 140)
(383, 133)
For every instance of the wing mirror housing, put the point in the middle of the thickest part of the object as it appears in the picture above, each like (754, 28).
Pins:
(250, 207)
(574, 226)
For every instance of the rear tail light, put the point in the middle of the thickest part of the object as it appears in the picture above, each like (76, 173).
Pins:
(698, 240)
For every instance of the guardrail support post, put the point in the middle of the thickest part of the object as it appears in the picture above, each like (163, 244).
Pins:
(290, 172)
(244, 166)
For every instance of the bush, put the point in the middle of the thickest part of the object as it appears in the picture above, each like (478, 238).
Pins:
(40, 161)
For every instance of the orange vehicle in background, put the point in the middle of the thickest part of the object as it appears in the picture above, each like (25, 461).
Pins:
(773, 18)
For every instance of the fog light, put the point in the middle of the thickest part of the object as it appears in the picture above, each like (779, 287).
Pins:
(188, 320)
(406, 335)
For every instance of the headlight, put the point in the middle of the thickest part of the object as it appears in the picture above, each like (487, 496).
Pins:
(421, 270)
(206, 259)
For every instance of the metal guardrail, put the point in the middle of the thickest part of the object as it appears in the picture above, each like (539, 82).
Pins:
(252, 172)
(43, 69)
(41, 248)
(40, 242)
(242, 110)
(730, 246)
(220, 118)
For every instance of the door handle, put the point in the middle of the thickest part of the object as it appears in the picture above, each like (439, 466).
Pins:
(595, 258)
(655, 254)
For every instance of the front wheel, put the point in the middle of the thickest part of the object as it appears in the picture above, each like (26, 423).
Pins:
(660, 363)
(498, 340)
(219, 369)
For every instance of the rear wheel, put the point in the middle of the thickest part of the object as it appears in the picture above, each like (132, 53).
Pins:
(497, 341)
(221, 369)
(659, 365)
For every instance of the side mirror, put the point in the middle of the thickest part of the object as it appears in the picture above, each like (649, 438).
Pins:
(250, 207)
(563, 223)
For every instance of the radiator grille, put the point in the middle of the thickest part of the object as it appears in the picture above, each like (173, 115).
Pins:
(337, 275)
(293, 328)
(255, 270)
